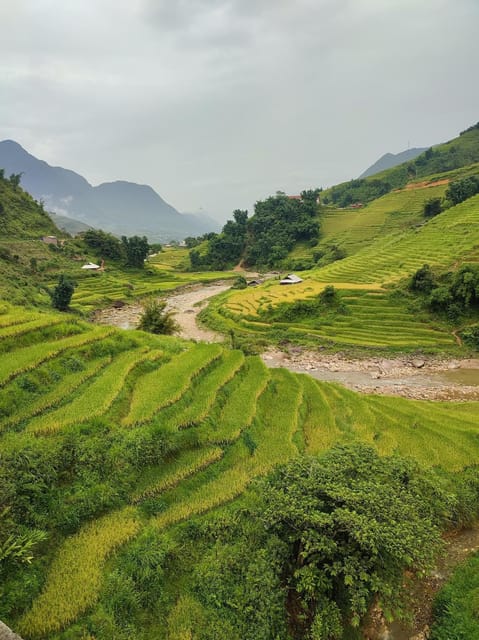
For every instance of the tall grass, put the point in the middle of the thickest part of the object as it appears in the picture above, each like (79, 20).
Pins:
(189, 462)
(67, 385)
(28, 358)
(240, 406)
(270, 443)
(204, 393)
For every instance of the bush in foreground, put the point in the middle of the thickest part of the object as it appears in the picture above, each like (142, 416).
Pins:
(156, 319)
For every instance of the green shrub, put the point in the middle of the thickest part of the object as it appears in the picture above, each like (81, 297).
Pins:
(470, 336)
(63, 292)
(432, 207)
(156, 319)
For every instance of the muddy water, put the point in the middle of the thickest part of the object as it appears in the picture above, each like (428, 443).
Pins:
(468, 377)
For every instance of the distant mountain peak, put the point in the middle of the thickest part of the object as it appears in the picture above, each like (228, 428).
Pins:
(120, 206)
(389, 160)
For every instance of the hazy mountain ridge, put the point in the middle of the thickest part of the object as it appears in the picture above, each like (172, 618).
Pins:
(120, 207)
(389, 160)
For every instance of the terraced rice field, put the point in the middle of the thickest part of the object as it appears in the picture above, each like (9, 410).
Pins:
(396, 211)
(102, 289)
(369, 317)
(372, 318)
(440, 242)
(230, 418)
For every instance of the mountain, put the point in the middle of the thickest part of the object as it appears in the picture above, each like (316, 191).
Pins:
(389, 160)
(121, 207)
(70, 225)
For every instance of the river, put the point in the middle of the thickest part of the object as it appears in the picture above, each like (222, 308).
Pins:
(423, 378)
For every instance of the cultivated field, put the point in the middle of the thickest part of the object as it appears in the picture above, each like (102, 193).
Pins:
(370, 316)
(226, 418)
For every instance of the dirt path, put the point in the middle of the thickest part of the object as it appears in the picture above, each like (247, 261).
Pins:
(458, 546)
(186, 304)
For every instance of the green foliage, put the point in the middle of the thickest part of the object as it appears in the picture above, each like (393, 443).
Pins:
(105, 245)
(470, 335)
(136, 250)
(223, 249)
(353, 523)
(457, 153)
(156, 319)
(240, 283)
(278, 223)
(432, 207)
(452, 293)
(422, 280)
(463, 189)
(16, 542)
(63, 292)
(456, 608)
(360, 190)
(329, 295)
(323, 306)
(266, 238)
(20, 215)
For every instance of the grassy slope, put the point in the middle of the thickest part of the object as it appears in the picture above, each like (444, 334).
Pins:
(451, 156)
(286, 415)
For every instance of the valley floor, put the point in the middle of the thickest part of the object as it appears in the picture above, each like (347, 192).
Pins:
(431, 378)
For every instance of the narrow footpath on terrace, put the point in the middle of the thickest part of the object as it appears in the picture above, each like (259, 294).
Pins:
(422, 378)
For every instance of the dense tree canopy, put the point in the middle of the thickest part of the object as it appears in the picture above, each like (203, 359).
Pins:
(105, 245)
(136, 250)
(263, 240)
(278, 223)
(63, 292)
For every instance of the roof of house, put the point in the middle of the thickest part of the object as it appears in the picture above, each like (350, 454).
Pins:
(91, 265)
(291, 279)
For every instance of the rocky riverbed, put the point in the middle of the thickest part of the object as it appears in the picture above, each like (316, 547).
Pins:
(425, 378)
(421, 378)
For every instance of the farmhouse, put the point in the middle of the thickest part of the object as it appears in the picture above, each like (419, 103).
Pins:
(50, 240)
(291, 279)
(91, 266)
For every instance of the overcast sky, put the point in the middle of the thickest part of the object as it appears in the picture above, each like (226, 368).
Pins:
(219, 103)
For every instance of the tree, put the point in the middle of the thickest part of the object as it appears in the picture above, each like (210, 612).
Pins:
(462, 189)
(156, 319)
(423, 280)
(63, 292)
(104, 244)
(353, 523)
(432, 207)
(15, 179)
(136, 250)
